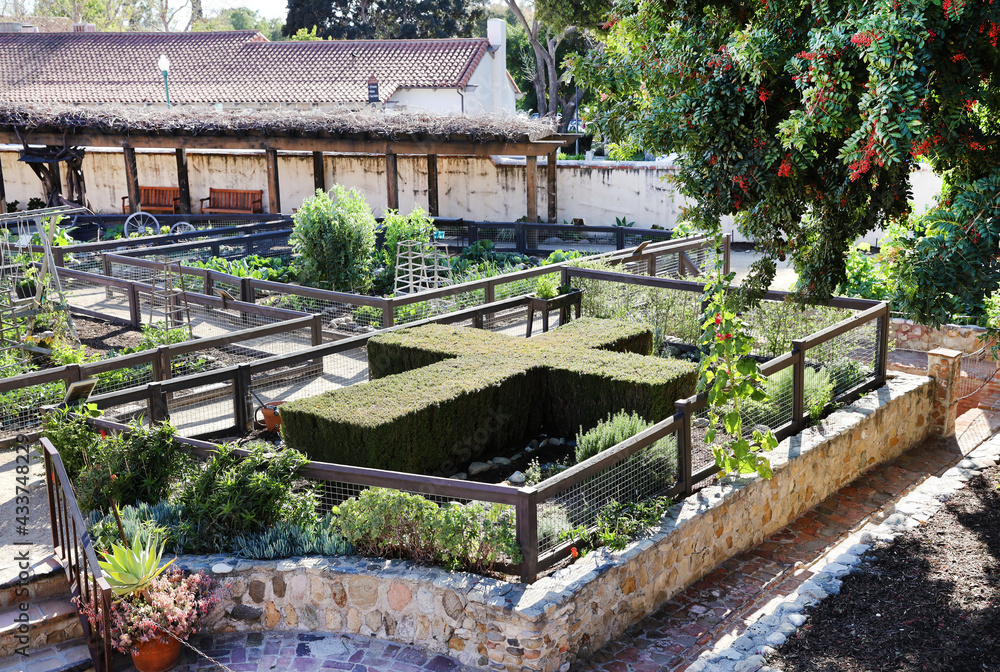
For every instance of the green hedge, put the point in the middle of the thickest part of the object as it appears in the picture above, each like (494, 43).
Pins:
(442, 393)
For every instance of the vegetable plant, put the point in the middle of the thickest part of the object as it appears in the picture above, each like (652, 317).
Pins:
(335, 236)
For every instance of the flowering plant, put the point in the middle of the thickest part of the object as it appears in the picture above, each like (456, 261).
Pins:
(170, 604)
(731, 377)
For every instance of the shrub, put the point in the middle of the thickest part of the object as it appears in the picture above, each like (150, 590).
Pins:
(72, 437)
(398, 227)
(389, 523)
(285, 540)
(230, 496)
(469, 384)
(546, 287)
(608, 433)
(140, 465)
(336, 239)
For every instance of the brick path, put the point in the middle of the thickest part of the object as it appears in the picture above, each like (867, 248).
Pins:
(717, 609)
(301, 652)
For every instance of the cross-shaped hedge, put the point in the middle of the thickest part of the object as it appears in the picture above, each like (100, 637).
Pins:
(445, 394)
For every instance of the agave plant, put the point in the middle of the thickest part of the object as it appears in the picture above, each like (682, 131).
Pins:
(129, 570)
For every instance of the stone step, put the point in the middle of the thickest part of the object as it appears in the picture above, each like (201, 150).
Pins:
(48, 622)
(42, 580)
(69, 656)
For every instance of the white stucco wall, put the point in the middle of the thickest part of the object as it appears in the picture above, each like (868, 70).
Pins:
(474, 188)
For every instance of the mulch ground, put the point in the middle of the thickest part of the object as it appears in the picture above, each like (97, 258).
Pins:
(100, 337)
(926, 601)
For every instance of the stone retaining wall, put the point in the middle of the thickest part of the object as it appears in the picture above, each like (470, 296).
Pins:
(910, 335)
(549, 624)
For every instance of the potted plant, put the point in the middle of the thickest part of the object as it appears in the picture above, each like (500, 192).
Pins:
(549, 296)
(156, 608)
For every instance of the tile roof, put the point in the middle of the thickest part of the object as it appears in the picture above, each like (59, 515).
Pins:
(235, 66)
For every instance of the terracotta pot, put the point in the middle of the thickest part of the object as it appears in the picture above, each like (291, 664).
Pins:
(158, 655)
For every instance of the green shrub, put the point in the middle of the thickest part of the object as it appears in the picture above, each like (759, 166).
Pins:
(72, 437)
(777, 409)
(336, 240)
(608, 433)
(398, 227)
(229, 496)
(393, 524)
(470, 384)
(140, 465)
(137, 519)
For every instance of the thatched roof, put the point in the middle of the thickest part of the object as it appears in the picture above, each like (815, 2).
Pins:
(332, 122)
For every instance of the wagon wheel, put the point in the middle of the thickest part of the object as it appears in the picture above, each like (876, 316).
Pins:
(141, 224)
(182, 227)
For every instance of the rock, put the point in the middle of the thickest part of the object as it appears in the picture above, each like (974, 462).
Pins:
(751, 664)
(796, 619)
(967, 464)
(556, 442)
(478, 468)
(700, 422)
(244, 612)
(460, 476)
(501, 461)
(532, 445)
(517, 478)
(776, 639)
(553, 240)
(516, 457)
(221, 568)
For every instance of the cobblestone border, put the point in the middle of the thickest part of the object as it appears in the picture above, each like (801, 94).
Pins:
(547, 625)
(749, 651)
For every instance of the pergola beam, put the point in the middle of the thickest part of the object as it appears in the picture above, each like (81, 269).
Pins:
(433, 208)
(298, 144)
(273, 190)
(183, 184)
(131, 179)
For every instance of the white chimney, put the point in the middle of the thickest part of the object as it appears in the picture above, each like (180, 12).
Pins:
(84, 28)
(26, 28)
(496, 32)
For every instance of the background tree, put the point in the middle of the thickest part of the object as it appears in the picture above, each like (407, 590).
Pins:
(803, 121)
(391, 19)
(555, 30)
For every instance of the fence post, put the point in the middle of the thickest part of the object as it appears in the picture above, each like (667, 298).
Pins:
(798, 385)
(59, 256)
(489, 292)
(134, 307)
(882, 352)
(106, 268)
(684, 444)
(727, 243)
(242, 412)
(651, 266)
(473, 232)
(527, 532)
(158, 409)
(209, 284)
(620, 238)
(388, 317)
(945, 367)
(519, 240)
(247, 295)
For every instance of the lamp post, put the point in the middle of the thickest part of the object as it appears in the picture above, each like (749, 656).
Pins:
(164, 64)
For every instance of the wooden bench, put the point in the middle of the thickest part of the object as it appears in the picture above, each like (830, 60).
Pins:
(162, 200)
(233, 200)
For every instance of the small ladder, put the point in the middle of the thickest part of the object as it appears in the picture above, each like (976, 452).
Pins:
(169, 294)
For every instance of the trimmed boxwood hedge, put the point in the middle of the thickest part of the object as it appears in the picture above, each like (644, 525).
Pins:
(441, 393)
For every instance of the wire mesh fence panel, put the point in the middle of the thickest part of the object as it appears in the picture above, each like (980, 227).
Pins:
(203, 409)
(111, 302)
(587, 242)
(308, 379)
(20, 409)
(701, 449)
(343, 319)
(777, 409)
(127, 412)
(633, 238)
(521, 286)
(453, 235)
(978, 369)
(644, 474)
(775, 324)
(512, 322)
(123, 378)
(847, 360)
(504, 238)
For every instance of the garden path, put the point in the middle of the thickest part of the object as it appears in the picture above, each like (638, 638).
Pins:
(715, 611)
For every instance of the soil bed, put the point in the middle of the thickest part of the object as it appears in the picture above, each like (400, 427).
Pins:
(926, 601)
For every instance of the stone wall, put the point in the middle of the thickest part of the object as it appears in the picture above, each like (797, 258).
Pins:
(547, 625)
(910, 335)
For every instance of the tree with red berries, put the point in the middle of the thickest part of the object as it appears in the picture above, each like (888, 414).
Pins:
(803, 120)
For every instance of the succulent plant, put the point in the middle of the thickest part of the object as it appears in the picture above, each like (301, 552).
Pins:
(129, 570)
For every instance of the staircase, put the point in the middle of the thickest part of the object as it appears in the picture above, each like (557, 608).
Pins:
(56, 642)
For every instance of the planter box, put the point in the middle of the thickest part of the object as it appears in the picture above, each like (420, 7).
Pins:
(562, 303)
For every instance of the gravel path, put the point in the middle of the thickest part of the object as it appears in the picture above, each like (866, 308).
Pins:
(37, 539)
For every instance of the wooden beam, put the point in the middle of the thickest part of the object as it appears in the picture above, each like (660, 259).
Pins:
(433, 208)
(273, 194)
(531, 182)
(550, 186)
(319, 172)
(391, 182)
(131, 179)
(180, 154)
(333, 145)
(3, 193)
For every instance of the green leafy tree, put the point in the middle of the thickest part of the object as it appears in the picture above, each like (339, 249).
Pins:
(336, 237)
(391, 19)
(803, 120)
